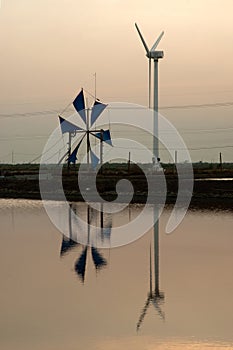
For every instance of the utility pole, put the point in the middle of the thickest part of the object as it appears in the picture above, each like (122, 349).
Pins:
(220, 160)
(129, 163)
(12, 157)
(175, 163)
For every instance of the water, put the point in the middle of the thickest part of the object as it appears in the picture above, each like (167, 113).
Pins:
(46, 302)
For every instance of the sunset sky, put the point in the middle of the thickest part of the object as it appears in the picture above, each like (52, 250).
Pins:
(49, 49)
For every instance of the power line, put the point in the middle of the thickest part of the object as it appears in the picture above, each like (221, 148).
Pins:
(177, 148)
(55, 112)
(203, 105)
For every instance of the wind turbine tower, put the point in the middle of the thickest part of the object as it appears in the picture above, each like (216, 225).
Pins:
(155, 55)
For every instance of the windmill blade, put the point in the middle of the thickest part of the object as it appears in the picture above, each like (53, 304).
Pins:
(67, 245)
(63, 157)
(104, 136)
(94, 159)
(67, 126)
(97, 109)
(79, 105)
(73, 157)
(157, 42)
(97, 258)
(158, 308)
(107, 231)
(142, 39)
(80, 265)
(143, 313)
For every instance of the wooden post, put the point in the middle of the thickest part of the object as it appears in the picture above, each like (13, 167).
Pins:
(175, 163)
(129, 164)
(220, 160)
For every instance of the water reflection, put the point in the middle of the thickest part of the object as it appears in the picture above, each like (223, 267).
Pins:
(95, 220)
(45, 305)
(155, 297)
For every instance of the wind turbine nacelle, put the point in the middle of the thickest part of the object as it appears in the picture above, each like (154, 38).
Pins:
(155, 55)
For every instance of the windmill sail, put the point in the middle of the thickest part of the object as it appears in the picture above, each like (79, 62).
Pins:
(67, 245)
(98, 260)
(104, 136)
(73, 157)
(79, 105)
(94, 159)
(96, 111)
(80, 266)
(67, 126)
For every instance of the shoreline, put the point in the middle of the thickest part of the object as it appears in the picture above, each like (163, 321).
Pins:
(198, 200)
(212, 189)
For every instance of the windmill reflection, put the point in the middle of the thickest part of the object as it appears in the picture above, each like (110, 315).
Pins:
(155, 296)
(104, 230)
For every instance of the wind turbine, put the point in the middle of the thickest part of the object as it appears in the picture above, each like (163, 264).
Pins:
(155, 55)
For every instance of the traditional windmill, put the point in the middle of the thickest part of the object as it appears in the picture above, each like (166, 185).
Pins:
(155, 296)
(88, 119)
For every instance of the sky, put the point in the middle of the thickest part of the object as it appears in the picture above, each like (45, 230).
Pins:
(50, 49)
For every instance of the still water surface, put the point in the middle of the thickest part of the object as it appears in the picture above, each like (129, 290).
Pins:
(56, 294)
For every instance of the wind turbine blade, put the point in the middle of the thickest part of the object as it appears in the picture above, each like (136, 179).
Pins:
(157, 42)
(159, 310)
(143, 313)
(142, 39)
(80, 265)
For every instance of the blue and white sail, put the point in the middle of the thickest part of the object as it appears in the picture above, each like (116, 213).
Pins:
(79, 105)
(68, 127)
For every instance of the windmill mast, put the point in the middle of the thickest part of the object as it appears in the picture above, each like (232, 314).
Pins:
(69, 150)
(156, 104)
(95, 85)
(156, 251)
(88, 141)
(155, 55)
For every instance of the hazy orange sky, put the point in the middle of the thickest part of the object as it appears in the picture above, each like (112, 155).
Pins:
(49, 49)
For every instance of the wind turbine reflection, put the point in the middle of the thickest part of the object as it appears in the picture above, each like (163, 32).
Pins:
(155, 296)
